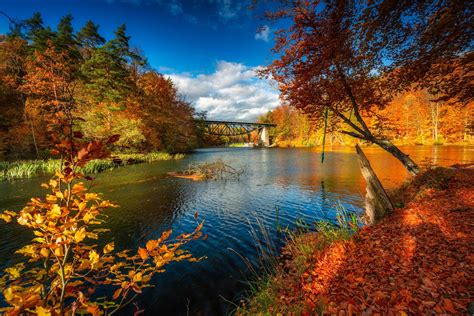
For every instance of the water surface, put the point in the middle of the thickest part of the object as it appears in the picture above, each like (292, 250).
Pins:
(292, 180)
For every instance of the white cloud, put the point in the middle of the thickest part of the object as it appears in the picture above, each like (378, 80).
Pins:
(263, 34)
(231, 92)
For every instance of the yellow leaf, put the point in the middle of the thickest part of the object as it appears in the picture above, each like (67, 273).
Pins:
(44, 252)
(59, 252)
(41, 311)
(137, 277)
(88, 217)
(80, 235)
(38, 218)
(60, 195)
(28, 250)
(51, 198)
(82, 206)
(93, 256)
(9, 294)
(53, 183)
(14, 271)
(109, 247)
(6, 218)
(55, 211)
(12, 214)
(78, 187)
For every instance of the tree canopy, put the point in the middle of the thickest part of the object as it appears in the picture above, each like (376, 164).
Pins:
(107, 82)
(354, 56)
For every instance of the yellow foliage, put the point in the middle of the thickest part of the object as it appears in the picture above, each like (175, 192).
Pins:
(80, 235)
(59, 262)
(109, 248)
(41, 311)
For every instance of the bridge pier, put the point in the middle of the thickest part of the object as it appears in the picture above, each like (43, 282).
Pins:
(264, 137)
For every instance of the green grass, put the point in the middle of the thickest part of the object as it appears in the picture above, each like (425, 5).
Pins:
(30, 168)
(298, 254)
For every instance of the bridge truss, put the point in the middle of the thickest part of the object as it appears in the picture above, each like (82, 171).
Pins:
(230, 128)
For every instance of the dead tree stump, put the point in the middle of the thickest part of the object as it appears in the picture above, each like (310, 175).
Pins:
(377, 203)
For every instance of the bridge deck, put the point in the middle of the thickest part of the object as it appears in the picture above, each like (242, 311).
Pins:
(209, 122)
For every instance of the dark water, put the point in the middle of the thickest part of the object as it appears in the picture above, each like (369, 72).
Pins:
(292, 180)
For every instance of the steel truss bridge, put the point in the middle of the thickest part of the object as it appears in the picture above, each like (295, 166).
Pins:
(233, 128)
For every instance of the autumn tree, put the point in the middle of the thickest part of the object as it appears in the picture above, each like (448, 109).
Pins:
(163, 110)
(18, 133)
(335, 54)
(427, 44)
(43, 69)
(63, 268)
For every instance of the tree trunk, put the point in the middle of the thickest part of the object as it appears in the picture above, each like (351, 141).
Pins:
(363, 131)
(409, 164)
(377, 203)
(34, 139)
(28, 120)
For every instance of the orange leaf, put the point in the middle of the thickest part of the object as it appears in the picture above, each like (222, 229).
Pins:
(143, 253)
(448, 306)
(117, 293)
(152, 244)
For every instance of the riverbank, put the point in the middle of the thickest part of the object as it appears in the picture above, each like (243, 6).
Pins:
(418, 260)
(30, 168)
(351, 144)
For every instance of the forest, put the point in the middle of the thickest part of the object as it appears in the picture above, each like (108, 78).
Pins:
(412, 118)
(107, 83)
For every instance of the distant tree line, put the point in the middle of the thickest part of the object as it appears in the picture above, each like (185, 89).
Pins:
(411, 118)
(107, 83)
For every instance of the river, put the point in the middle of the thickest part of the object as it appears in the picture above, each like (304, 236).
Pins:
(291, 180)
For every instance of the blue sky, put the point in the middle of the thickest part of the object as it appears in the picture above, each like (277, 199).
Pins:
(200, 44)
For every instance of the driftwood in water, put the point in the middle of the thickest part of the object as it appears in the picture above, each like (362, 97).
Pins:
(377, 203)
(208, 171)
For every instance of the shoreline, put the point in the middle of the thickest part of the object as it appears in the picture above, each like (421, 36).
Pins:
(327, 147)
(416, 260)
(22, 169)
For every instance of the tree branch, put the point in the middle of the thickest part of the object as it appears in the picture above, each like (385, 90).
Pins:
(351, 124)
(355, 135)
(352, 98)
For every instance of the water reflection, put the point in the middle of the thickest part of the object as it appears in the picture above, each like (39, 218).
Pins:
(292, 180)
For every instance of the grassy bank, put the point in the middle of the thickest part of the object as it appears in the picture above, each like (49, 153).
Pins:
(418, 260)
(29, 168)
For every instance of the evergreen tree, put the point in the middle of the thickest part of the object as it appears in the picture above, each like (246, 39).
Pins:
(65, 40)
(89, 39)
(121, 44)
(36, 33)
(106, 75)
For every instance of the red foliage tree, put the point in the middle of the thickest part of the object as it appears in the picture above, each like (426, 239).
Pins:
(339, 55)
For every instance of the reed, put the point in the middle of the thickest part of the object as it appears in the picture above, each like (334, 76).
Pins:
(30, 168)
(276, 270)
